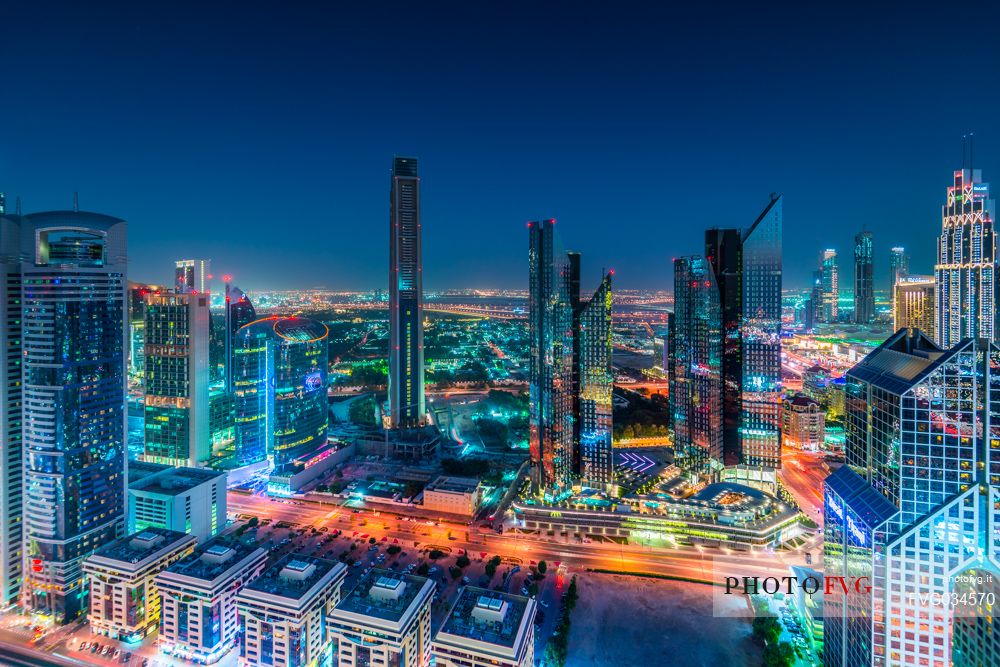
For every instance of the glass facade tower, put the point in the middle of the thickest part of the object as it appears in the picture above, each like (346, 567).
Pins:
(595, 379)
(966, 269)
(864, 279)
(191, 275)
(724, 252)
(696, 364)
(406, 297)
(280, 377)
(829, 307)
(74, 311)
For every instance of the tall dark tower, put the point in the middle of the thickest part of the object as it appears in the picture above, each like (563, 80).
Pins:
(723, 250)
(864, 279)
(406, 332)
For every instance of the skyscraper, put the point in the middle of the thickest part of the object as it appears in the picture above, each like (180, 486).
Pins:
(899, 266)
(406, 297)
(177, 379)
(724, 252)
(830, 288)
(966, 269)
(916, 510)
(760, 333)
(239, 312)
(594, 460)
(696, 394)
(74, 325)
(864, 279)
(191, 275)
(913, 304)
(279, 380)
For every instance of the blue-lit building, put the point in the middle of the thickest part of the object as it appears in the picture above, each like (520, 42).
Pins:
(64, 327)
(594, 463)
(864, 279)
(239, 312)
(279, 381)
(923, 433)
(696, 391)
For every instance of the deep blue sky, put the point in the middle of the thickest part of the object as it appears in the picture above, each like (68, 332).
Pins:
(260, 134)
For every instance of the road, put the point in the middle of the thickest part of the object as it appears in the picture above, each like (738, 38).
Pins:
(803, 473)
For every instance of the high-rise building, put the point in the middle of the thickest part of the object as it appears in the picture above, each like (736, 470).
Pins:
(177, 379)
(696, 404)
(73, 317)
(829, 309)
(916, 511)
(239, 313)
(760, 333)
(187, 500)
(899, 266)
(192, 275)
(279, 381)
(864, 279)
(406, 298)
(913, 304)
(570, 371)
(966, 269)
(385, 620)
(137, 293)
(723, 250)
(487, 627)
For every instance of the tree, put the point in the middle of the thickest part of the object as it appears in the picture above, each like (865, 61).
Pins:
(362, 411)
(462, 561)
(533, 589)
(393, 549)
(542, 566)
(435, 554)
(371, 540)
(422, 569)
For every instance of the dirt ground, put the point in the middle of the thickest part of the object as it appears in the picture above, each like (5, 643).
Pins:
(622, 620)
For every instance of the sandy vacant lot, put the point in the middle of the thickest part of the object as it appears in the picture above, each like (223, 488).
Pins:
(635, 621)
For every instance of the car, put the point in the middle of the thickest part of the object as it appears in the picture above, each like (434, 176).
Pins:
(543, 603)
(127, 657)
(117, 653)
(105, 650)
(93, 647)
(82, 647)
(465, 580)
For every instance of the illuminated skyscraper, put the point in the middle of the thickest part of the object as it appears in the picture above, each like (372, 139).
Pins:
(177, 379)
(966, 269)
(760, 332)
(406, 296)
(279, 380)
(696, 402)
(723, 250)
(594, 381)
(899, 266)
(829, 309)
(864, 279)
(192, 275)
(239, 313)
(913, 304)
(915, 512)
(74, 312)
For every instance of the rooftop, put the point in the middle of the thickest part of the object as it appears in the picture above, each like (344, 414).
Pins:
(139, 470)
(213, 559)
(293, 576)
(487, 616)
(383, 594)
(142, 545)
(453, 484)
(174, 481)
(868, 504)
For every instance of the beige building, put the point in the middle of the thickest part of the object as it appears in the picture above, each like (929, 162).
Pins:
(913, 305)
(485, 629)
(124, 600)
(453, 495)
(803, 423)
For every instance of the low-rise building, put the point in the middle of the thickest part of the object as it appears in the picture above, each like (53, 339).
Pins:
(283, 612)
(199, 619)
(188, 500)
(803, 423)
(385, 620)
(124, 601)
(486, 629)
(454, 495)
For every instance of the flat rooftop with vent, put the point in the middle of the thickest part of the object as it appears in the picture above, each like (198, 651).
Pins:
(192, 500)
(385, 594)
(137, 551)
(487, 625)
(172, 481)
(215, 559)
(295, 579)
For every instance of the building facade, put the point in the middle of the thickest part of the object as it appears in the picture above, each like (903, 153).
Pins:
(594, 379)
(239, 312)
(176, 375)
(829, 309)
(899, 266)
(124, 600)
(406, 298)
(454, 495)
(284, 612)
(385, 620)
(695, 396)
(864, 279)
(803, 423)
(198, 611)
(487, 629)
(73, 318)
(723, 251)
(913, 305)
(279, 382)
(966, 271)
(185, 500)
(192, 275)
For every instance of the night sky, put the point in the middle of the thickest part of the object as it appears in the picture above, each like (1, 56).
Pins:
(260, 135)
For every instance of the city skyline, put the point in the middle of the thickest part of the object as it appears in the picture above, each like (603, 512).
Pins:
(323, 161)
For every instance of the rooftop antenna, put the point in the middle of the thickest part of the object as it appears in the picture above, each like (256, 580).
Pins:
(76, 202)
(963, 152)
(971, 143)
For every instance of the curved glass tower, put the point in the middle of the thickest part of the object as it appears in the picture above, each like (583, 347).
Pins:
(279, 382)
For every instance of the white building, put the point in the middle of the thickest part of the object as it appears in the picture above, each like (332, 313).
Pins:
(188, 500)
(124, 601)
(282, 612)
(487, 629)
(385, 620)
(453, 495)
(199, 618)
